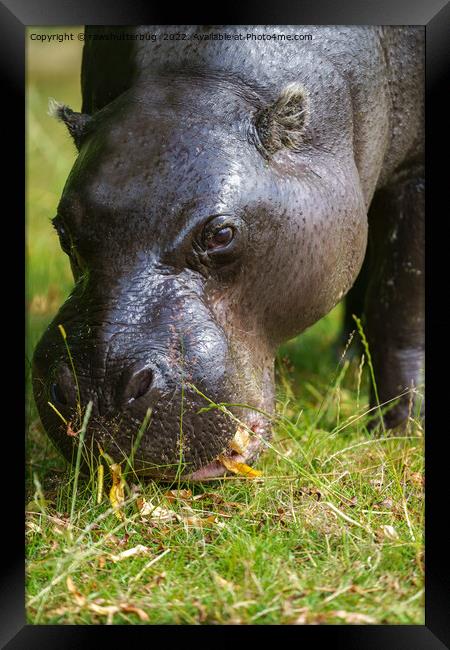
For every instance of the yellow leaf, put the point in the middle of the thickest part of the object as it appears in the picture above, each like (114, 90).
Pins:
(116, 494)
(239, 468)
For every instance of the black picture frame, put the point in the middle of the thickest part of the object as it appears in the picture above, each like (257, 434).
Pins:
(15, 16)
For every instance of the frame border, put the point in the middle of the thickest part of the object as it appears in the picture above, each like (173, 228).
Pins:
(16, 15)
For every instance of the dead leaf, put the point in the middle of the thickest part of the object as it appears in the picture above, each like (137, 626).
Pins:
(351, 503)
(116, 494)
(238, 468)
(353, 617)
(201, 522)
(222, 583)
(173, 495)
(387, 532)
(149, 511)
(104, 610)
(377, 484)
(130, 552)
(309, 491)
(302, 617)
(32, 526)
(110, 610)
(157, 580)
(79, 599)
(417, 478)
(135, 610)
(202, 611)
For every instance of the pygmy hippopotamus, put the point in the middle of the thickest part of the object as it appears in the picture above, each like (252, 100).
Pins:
(229, 190)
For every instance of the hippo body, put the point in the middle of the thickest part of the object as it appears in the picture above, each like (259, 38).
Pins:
(227, 194)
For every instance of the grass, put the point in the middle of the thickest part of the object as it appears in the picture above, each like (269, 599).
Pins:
(332, 532)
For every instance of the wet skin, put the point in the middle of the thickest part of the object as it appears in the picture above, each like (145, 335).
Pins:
(197, 249)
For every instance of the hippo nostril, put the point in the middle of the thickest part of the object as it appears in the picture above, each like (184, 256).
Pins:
(57, 394)
(62, 390)
(139, 384)
(144, 383)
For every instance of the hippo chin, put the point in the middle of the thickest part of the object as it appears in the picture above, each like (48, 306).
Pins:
(219, 205)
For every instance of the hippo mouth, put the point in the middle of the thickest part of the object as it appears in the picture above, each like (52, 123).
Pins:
(243, 449)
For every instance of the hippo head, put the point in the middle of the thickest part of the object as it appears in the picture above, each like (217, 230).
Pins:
(205, 224)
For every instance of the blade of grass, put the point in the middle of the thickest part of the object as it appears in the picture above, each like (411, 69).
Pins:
(82, 435)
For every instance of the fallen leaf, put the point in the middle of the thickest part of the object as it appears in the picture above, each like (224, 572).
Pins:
(387, 532)
(202, 611)
(104, 610)
(149, 511)
(79, 599)
(302, 617)
(116, 494)
(417, 478)
(32, 527)
(353, 617)
(173, 495)
(201, 522)
(135, 610)
(130, 552)
(222, 583)
(239, 468)
(110, 610)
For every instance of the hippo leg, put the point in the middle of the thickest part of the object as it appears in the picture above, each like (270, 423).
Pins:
(394, 315)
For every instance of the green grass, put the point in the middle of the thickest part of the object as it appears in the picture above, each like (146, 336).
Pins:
(332, 532)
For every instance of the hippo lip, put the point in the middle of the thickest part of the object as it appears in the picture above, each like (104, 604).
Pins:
(216, 469)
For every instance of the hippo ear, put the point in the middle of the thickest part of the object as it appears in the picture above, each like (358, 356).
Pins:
(75, 122)
(283, 123)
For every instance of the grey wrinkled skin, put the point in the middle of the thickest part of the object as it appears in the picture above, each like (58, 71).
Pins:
(168, 141)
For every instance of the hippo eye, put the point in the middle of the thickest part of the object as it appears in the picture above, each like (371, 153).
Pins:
(64, 238)
(218, 234)
(219, 238)
(219, 243)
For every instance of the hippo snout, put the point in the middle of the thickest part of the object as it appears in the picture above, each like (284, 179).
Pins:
(173, 361)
